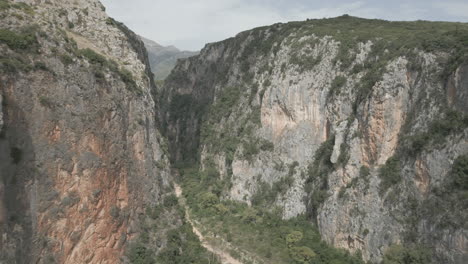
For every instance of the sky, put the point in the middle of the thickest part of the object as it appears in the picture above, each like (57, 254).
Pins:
(190, 24)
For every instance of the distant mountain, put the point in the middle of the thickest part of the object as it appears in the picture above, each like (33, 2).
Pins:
(163, 59)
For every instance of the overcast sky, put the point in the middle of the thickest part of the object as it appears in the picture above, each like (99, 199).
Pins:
(190, 24)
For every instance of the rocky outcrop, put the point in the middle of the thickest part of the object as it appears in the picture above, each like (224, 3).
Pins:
(358, 130)
(81, 158)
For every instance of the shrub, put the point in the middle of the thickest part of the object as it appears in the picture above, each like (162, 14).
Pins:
(318, 170)
(4, 5)
(293, 238)
(24, 40)
(208, 200)
(93, 57)
(13, 65)
(460, 173)
(127, 78)
(342, 192)
(250, 150)
(398, 254)
(302, 254)
(453, 122)
(364, 172)
(170, 201)
(114, 212)
(282, 186)
(65, 59)
(41, 66)
(365, 232)
(389, 174)
(337, 84)
(139, 254)
(46, 102)
(267, 146)
(292, 168)
(99, 61)
(70, 200)
(16, 155)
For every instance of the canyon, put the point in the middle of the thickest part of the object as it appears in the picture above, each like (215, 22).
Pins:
(354, 128)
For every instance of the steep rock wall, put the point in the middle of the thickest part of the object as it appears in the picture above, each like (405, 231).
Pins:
(81, 158)
(360, 131)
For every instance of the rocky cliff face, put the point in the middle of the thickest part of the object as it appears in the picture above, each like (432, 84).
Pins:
(80, 156)
(361, 130)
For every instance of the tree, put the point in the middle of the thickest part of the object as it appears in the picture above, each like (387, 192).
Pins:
(293, 238)
(397, 254)
(302, 254)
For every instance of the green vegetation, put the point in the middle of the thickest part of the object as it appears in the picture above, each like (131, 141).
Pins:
(93, 57)
(240, 132)
(65, 59)
(438, 131)
(5, 5)
(170, 201)
(451, 196)
(25, 40)
(337, 84)
(390, 174)
(184, 247)
(276, 240)
(305, 62)
(389, 41)
(166, 223)
(267, 145)
(224, 106)
(71, 199)
(139, 254)
(99, 62)
(302, 254)
(46, 101)
(16, 155)
(398, 254)
(317, 181)
(41, 66)
(14, 64)
(114, 212)
(460, 173)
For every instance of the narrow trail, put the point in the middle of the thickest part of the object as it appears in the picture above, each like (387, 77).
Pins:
(224, 256)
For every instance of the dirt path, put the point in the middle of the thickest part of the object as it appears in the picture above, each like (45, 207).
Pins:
(225, 257)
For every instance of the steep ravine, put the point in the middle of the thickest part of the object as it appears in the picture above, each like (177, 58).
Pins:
(291, 134)
(360, 125)
(84, 170)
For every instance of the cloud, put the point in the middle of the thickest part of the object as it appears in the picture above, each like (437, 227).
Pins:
(455, 9)
(189, 24)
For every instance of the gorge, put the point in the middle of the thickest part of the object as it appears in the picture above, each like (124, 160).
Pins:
(340, 140)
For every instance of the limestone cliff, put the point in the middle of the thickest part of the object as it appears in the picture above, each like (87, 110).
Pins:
(80, 156)
(359, 124)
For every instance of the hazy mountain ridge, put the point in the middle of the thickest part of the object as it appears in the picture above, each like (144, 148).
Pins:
(163, 59)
